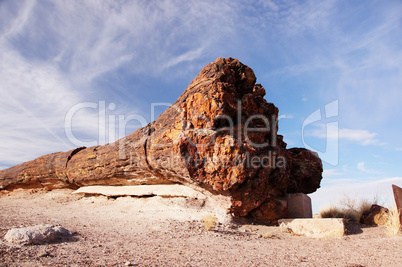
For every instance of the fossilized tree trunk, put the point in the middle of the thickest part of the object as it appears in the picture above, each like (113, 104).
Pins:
(220, 135)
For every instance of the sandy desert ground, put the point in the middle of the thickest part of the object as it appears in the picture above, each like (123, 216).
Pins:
(156, 231)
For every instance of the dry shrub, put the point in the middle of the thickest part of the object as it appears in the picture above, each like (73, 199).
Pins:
(349, 208)
(268, 235)
(365, 206)
(209, 221)
(336, 212)
(393, 225)
(330, 212)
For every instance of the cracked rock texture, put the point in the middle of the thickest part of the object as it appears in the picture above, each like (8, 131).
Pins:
(219, 137)
(38, 234)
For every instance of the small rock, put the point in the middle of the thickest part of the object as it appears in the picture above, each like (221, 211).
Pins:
(377, 215)
(127, 263)
(44, 254)
(39, 234)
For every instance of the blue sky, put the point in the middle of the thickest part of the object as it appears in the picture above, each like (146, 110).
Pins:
(121, 56)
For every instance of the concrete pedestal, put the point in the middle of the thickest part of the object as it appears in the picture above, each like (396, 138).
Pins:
(299, 205)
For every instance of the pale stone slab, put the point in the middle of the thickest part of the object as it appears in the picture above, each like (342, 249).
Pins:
(299, 205)
(142, 190)
(318, 228)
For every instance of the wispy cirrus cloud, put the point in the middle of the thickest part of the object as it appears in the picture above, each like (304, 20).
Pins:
(289, 17)
(87, 39)
(362, 137)
(52, 53)
(139, 36)
(368, 62)
(355, 50)
(361, 166)
(34, 103)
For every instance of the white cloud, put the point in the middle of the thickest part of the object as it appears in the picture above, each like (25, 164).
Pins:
(51, 54)
(329, 181)
(330, 173)
(334, 176)
(290, 17)
(88, 39)
(286, 116)
(357, 55)
(187, 56)
(361, 166)
(362, 137)
(369, 63)
(310, 15)
(14, 24)
(35, 99)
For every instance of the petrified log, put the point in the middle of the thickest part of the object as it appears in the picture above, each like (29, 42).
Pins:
(377, 215)
(398, 200)
(219, 136)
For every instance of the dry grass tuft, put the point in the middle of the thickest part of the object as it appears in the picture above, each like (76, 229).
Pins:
(267, 235)
(349, 208)
(393, 225)
(209, 221)
(364, 206)
(336, 212)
